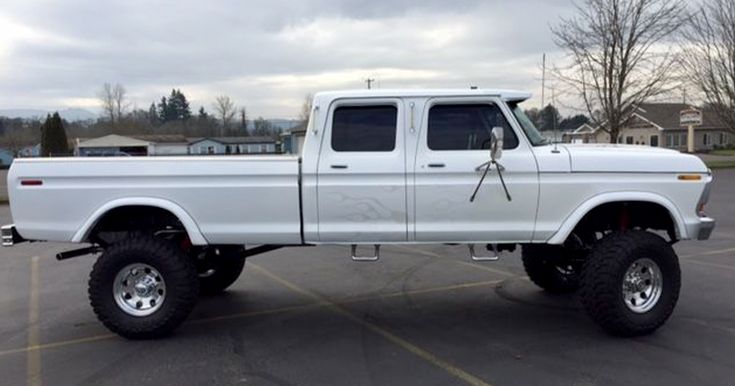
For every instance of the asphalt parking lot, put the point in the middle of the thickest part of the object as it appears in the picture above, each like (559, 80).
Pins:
(421, 315)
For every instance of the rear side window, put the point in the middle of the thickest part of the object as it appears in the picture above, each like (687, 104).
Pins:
(364, 128)
(467, 127)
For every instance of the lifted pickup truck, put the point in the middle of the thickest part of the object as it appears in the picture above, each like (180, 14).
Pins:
(377, 167)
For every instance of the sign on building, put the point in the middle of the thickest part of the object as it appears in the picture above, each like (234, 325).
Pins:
(690, 117)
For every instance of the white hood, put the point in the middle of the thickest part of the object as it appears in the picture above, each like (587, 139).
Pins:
(631, 158)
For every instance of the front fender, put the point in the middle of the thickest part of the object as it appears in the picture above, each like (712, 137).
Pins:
(573, 219)
(192, 229)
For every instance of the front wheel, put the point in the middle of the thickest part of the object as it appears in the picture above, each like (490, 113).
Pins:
(551, 267)
(630, 283)
(143, 287)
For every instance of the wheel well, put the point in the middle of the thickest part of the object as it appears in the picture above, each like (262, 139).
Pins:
(624, 215)
(123, 220)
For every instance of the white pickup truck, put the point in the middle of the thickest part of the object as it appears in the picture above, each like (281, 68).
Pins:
(377, 167)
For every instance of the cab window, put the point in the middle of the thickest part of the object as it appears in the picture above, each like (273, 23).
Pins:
(467, 127)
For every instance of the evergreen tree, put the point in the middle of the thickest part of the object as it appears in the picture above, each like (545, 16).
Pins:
(549, 117)
(163, 110)
(2, 126)
(153, 115)
(53, 137)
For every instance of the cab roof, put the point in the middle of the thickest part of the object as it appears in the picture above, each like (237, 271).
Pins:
(506, 95)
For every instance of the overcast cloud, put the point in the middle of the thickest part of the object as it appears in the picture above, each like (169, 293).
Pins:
(265, 54)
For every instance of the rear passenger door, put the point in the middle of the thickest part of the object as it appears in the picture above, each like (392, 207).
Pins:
(453, 142)
(361, 176)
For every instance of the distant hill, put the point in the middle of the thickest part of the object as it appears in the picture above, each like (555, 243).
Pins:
(71, 114)
(284, 124)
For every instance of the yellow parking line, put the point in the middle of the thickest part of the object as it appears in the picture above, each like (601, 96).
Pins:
(421, 353)
(709, 253)
(33, 357)
(469, 264)
(239, 315)
(708, 264)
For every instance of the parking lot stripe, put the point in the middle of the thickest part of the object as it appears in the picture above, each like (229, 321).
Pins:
(419, 352)
(33, 357)
(708, 264)
(469, 264)
(247, 314)
(708, 253)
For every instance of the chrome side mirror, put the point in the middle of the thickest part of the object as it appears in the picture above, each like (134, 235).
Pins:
(496, 143)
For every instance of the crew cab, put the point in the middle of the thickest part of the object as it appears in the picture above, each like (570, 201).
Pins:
(377, 167)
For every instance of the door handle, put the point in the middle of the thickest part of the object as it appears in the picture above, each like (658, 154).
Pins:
(437, 165)
(338, 166)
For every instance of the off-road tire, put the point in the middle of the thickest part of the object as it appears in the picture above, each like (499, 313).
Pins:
(603, 275)
(542, 264)
(227, 267)
(176, 268)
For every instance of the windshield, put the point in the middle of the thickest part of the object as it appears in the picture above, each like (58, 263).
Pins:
(528, 127)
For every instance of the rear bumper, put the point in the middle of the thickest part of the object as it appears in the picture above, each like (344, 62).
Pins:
(706, 226)
(10, 235)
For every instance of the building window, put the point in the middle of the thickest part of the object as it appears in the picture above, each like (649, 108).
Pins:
(228, 149)
(722, 138)
(364, 128)
(654, 140)
(683, 140)
(629, 140)
(210, 149)
(202, 150)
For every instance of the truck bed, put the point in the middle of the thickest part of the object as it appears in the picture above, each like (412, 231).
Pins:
(226, 197)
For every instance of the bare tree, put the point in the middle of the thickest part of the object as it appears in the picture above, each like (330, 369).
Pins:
(113, 102)
(226, 111)
(709, 56)
(306, 109)
(618, 55)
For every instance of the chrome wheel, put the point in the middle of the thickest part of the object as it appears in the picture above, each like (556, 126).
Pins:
(139, 289)
(642, 285)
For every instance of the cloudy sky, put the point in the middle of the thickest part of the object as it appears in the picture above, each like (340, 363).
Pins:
(265, 54)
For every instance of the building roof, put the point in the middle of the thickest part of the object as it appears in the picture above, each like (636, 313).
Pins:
(507, 95)
(233, 140)
(113, 140)
(162, 138)
(666, 115)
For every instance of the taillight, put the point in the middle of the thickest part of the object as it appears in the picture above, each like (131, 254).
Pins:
(31, 182)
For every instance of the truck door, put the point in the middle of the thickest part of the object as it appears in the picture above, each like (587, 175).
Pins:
(454, 140)
(361, 175)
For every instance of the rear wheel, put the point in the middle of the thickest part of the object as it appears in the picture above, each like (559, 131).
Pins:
(631, 282)
(219, 267)
(551, 267)
(142, 287)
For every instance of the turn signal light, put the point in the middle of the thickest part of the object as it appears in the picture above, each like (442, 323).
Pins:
(689, 177)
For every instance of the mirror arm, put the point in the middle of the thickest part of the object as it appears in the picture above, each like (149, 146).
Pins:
(477, 188)
(502, 181)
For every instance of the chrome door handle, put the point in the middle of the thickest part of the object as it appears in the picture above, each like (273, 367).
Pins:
(338, 166)
(437, 165)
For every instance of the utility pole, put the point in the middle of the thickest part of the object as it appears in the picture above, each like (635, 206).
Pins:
(369, 82)
(543, 80)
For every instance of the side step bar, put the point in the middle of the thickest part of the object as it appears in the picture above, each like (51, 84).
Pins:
(475, 257)
(374, 257)
(10, 235)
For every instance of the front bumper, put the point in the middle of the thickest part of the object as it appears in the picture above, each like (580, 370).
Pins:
(706, 226)
(10, 235)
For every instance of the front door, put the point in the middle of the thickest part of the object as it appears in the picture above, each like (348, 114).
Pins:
(453, 142)
(361, 181)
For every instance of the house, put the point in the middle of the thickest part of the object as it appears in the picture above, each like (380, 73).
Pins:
(657, 124)
(165, 144)
(233, 145)
(6, 158)
(293, 140)
(111, 145)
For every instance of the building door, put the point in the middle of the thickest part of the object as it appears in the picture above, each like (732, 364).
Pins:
(654, 140)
